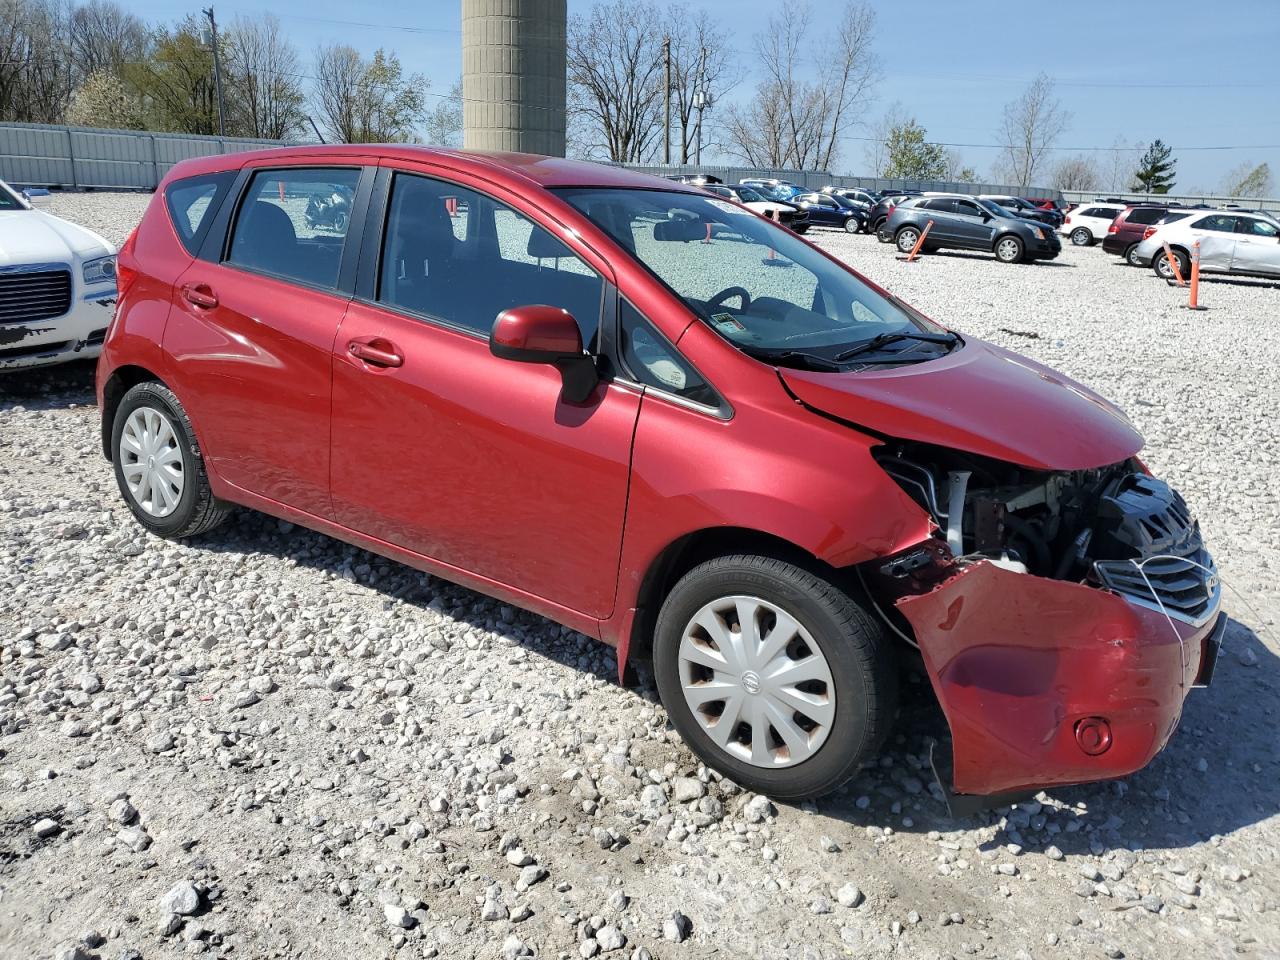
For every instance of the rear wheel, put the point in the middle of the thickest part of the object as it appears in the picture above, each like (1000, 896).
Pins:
(906, 239)
(882, 231)
(1081, 237)
(773, 675)
(1131, 256)
(1160, 263)
(158, 464)
(1009, 250)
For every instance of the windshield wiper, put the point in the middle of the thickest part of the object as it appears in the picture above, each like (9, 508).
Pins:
(793, 358)
(884, 339)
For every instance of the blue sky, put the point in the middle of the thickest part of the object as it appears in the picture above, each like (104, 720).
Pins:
(1196, 74)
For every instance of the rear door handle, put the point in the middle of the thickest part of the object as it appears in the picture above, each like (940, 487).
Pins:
(201, 295)
(376, 352)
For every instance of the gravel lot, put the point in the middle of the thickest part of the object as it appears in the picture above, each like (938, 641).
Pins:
(265, 743)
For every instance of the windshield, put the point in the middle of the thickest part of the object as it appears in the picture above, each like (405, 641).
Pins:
(994, 208)
(755, 283)
(747, 195)
(9, 200)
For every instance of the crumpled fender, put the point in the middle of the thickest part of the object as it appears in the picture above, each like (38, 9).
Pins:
(1017, 661)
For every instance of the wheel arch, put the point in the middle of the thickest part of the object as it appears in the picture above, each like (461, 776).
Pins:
(686, 552)
(122, 380)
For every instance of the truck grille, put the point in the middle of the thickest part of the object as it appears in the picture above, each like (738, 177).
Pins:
(33, 296)
(1142, 521)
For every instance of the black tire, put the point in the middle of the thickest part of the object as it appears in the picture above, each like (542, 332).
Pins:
(1081, 237)
(852, 641)
(882, 231)
(1160, 264)
(905, 239)
(800, 230)
(852, 225)
(1009, 249)
(197, 510)
(1131, 255)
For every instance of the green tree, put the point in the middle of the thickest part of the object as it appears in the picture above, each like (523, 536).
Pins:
(909, 156)
(104, 101)
(1155, 171)
(175, 85)
(368, 101)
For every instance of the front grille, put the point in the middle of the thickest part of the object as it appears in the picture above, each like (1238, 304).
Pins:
(34, 296)
(1142, 521)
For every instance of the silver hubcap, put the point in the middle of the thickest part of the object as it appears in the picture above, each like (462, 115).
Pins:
(906, 240)
(756, 682)
(1080, 238)
(152, 461)
(1007, 250)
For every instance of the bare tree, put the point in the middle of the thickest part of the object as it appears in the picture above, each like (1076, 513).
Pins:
(35, 69)
(104, 37)
(367, 101)
(797, 122)
(1248, 180)
(444, 120)
(700, 59)
(1076, 173)
(875, 152)
(1031, 125)
(262, 75)
(615, 80)
(1120, 162)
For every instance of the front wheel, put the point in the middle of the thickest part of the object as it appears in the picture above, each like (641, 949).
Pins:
(158, 464)
(801, 229)
(1081, 237)
(852, 225)
(773, 675)
(1009, 250)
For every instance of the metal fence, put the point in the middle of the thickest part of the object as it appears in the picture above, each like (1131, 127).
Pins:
(43, 155)
(816, 179)
(1190, 199)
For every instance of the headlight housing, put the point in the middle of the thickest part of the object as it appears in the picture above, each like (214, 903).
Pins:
(1038, 232)
(101, 270)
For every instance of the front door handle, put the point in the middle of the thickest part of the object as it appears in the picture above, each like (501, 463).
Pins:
(376, 352)
(200, 294)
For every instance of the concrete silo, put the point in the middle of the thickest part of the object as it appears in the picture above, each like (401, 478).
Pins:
(513, 75)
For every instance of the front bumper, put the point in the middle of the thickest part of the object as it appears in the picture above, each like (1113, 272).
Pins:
(77, 334)
(1046, 249)
(1029, 671)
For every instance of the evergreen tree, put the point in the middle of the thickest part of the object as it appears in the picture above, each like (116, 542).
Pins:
(1156, 169)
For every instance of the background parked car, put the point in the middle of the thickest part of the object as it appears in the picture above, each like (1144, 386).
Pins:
(787, 214)
(831, 210)
(856, 194)
(1229, 243)
(878, 216)
(1025, 209)
(774, 189)
(697, 179)
(1128, 229)
(57, 286)
(971, 223)
(1088, 224)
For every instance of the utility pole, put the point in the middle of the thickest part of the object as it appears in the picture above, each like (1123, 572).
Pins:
(217, 71)
(700, 101)
(666, 101)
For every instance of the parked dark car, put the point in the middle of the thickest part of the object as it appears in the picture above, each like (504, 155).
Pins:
(787, 214)
(878, 216)
(697, 179)
(971, 223)
(1026, 209)
(1128, 229)
(859, 196)
(830, 210)
(774, 189)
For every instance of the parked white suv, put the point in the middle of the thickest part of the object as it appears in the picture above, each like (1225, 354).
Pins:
(1229, 243)
(1088, 223)
(57, 286)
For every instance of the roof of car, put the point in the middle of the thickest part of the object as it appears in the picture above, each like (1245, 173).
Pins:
(530, 168)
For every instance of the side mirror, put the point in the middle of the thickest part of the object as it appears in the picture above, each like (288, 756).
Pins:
(543, 334)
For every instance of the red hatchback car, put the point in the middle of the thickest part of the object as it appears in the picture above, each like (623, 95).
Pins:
(666, 422)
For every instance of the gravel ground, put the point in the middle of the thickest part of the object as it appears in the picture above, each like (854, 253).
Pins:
(265, 743)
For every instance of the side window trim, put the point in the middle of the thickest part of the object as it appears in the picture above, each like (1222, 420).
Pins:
(625, 375)
(355, 226)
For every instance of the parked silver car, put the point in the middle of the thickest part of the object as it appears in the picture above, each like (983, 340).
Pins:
(1230, 242)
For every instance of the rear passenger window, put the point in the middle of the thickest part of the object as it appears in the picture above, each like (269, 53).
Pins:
(192, 203)
(462, 257)
(293, 224)
(1220, 224)
(1145, 216)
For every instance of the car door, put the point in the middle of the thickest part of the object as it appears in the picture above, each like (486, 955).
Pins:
(1257, 247)
(443, 449)
(941, 210)
(973, 226)
(1216, 234)
(252, 330)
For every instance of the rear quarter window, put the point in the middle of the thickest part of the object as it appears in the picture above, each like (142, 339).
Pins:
(193, 202)
(1146, 215)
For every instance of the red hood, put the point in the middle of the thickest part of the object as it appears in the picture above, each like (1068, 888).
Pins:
(981, 399)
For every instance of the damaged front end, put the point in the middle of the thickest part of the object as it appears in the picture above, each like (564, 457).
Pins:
(1062, 615)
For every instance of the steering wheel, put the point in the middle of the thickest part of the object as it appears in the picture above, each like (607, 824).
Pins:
(728, 292)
